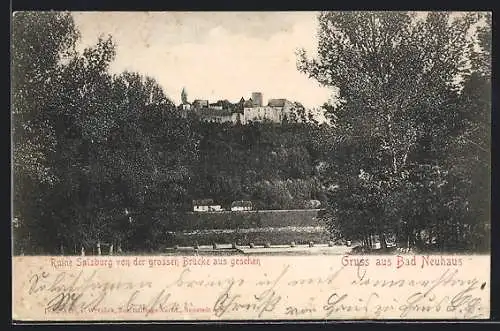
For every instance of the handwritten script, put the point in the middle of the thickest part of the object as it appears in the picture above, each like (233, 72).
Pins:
(244, 287)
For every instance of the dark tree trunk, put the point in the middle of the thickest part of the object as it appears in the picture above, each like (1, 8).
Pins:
(440, 236)
(418, 238)
(383, 244)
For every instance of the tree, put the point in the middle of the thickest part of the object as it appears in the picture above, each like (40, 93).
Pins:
(85, 117)
(150, 153)
(469, 155)
(396, 74)
(86, 143)
(41, 43)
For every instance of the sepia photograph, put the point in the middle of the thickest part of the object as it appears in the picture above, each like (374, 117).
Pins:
(201, 138)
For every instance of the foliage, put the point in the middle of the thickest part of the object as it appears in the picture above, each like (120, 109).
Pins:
(106, 143)
(272, 165)
(107, 158)
(401, 113)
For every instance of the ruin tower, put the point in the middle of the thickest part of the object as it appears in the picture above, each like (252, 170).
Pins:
(184, 96)
(257, 99)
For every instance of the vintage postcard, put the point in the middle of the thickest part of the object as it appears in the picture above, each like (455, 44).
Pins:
(221, 166)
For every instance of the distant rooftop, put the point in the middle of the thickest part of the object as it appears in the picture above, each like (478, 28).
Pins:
(277, 102)
(234, 107)
(248, 103)
(242, 203)
(211, 112)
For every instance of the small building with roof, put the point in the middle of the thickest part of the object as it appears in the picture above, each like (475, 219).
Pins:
(216, 115)
(205, 205)
(200, 103)
(241, 205)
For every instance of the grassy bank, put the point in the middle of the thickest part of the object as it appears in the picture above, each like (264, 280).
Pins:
(258, 236)
(248, 219)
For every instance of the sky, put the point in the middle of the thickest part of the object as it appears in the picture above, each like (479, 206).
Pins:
(213, 55)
